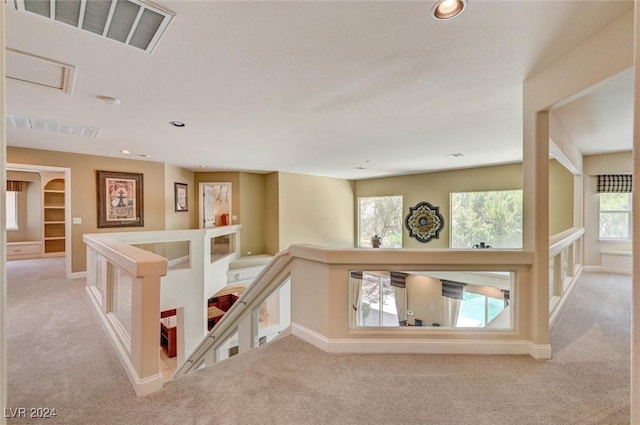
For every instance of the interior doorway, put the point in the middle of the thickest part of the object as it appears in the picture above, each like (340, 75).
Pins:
(58, 199)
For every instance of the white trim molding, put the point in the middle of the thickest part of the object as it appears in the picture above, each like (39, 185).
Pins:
(421, 346)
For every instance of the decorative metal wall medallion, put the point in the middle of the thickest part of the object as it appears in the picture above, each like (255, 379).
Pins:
(424, 222)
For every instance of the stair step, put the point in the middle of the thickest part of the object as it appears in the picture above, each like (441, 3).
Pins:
(250, 261)
(246, 273)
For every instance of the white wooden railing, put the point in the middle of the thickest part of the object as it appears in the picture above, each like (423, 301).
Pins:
(310, 286)
(133, 276)
(565, 266)
(240, 326)
(320, 305)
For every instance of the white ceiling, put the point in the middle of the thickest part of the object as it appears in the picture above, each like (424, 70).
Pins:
(317, 87)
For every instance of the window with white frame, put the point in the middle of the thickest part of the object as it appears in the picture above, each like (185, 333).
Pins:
(11, 207)
(614, 191)
(492, 217)
(380, 216)
(615, 216)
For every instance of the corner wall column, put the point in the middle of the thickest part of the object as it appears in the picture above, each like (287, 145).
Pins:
(3, 232)
(635, 302)
(536, 218)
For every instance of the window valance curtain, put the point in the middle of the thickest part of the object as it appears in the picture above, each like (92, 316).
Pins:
(452, 289)
(15, 186)
(398, 279)
(615, 183)
(507, 296)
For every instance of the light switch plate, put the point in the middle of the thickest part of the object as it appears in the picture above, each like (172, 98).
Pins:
(77, 220)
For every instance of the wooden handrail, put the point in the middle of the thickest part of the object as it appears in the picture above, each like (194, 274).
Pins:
(269, 279)
(136, 261)
(562, 240)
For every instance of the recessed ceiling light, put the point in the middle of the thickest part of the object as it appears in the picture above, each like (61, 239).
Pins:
(203, 166)
(447, 9)
(177, 124)
(124, 151)
(455, 155)
(144, 155)
(359, 168)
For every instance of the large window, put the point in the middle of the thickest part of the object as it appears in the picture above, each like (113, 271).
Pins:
(380, 216)
(615, 216)
(12, 210)
(376, 304)
(493, 218)
(478, 310)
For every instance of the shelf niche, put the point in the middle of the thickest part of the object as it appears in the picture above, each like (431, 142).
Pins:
(54, 225)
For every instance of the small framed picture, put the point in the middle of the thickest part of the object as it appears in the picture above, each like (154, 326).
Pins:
(181, 199)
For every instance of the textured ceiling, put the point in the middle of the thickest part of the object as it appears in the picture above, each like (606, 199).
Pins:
(319, 88)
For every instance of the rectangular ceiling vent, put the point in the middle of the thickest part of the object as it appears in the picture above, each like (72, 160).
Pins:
(132, 22)
(44, 72)
(52, 126)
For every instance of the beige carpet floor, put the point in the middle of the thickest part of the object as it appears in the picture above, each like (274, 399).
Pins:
(59, 357)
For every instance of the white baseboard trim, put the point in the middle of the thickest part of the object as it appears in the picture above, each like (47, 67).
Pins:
(601, 269)
(141, 386)
(77, 275)
(421, 346)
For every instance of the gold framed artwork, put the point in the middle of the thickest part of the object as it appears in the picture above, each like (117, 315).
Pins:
(120, 199)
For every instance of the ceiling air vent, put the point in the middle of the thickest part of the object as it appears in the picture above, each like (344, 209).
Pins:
(28, 68)
(55, 127)
(132, 22)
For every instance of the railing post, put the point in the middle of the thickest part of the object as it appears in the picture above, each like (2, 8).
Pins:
(246, 333)
(145, 331)
(571, 260)
(557, 275)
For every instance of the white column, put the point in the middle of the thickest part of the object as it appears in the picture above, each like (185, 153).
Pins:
(3, 233)
(635, 307)
(536, 217)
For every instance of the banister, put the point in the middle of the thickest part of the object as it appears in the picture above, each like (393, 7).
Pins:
(562, 240)
(269, 279)
(279, 268)
(435, 258)
(136, 261)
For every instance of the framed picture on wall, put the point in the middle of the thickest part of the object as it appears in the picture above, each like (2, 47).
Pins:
(120, 199)
(181, 200)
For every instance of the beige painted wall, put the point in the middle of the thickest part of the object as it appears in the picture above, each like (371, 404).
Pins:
(424, 298)
(315, 210)
(252, 198)
(593, 165)
(83, 191)
(560, 198)
(247, 205)
(435, 188)
(179, 220)
(29, 208)
(271, 214)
